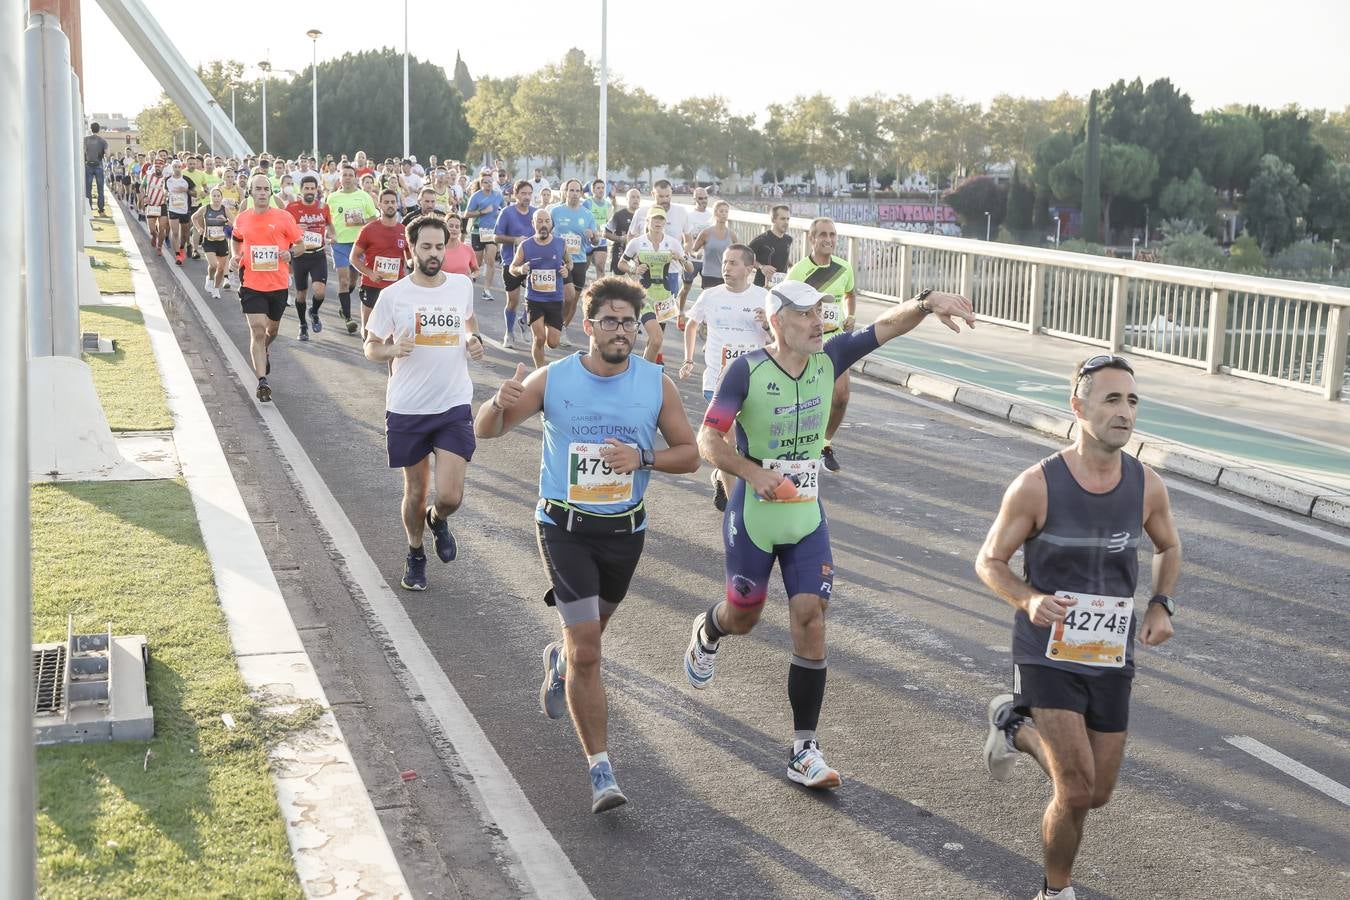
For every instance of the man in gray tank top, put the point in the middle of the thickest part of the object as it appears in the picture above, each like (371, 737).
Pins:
(1078, 516)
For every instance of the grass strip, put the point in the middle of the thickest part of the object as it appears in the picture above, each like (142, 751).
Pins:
(112, 270)
(127, 381)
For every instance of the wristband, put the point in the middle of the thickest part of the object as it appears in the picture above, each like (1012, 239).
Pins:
(922, 299)
(495, 405)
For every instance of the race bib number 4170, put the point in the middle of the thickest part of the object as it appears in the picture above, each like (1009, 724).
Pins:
(1095, 632)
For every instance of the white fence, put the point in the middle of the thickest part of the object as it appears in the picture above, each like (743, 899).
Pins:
(1290, 333)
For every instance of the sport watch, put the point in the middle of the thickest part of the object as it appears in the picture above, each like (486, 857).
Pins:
(922, 299)
(1165, 602)
(648, 457)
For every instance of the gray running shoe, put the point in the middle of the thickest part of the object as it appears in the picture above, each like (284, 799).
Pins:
(999, 758)
(553, 689)
(605, 793)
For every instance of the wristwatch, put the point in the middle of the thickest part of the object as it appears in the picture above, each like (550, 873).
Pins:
(1165, 602)
(922, 300)
(648, 457)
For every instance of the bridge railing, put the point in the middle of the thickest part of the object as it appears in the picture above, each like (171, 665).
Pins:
(1290, 333)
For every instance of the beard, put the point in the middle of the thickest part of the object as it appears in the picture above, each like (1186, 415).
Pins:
(615, 352)
(428, 267)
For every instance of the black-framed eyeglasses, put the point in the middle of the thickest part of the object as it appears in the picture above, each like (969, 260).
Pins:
(609, 323)
(1104, 361)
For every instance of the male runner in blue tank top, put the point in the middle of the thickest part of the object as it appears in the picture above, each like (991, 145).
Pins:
(778, 400)
(601, 411)
(1078, 516)
(544, 264)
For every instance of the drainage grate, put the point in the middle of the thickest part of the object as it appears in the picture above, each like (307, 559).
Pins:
(49, 678)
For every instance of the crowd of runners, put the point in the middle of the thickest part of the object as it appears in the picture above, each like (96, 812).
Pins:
(420, 246)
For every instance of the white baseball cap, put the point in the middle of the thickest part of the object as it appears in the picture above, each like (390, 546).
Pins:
(797, 294)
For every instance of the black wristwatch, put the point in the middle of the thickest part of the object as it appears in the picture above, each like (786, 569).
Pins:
(922, 300)
(1165, 602)
(648, 457)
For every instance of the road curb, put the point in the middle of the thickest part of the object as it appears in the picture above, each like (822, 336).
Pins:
(338, 844)
(1253, 482)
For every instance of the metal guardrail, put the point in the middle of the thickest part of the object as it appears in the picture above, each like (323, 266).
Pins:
(1282, 332)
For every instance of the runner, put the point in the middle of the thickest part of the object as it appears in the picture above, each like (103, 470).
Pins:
(424, 328)
(778, 398)
(200, 194)
(713, 241)
(312, 265)
(1077, 517)
(265, 239)
(426, 206)
(539, 183)
(514, 226)
(212, 220)
(179, 203)
(156, 200)
(734, 314)
(677, 217)
(349, 209)
(699, 218)
(573, 223)
(617, 229)
(601, 411)
(380, 253)
(459, 256)
(648, 257)
(482, 210)
(542, 263)
(772, 247)
(602, 209)
(832, 276)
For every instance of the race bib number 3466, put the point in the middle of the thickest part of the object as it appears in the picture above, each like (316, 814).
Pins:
(438, 326)
(591, 480)
(1095, 631)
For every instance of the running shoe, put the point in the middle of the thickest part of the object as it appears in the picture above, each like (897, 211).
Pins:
(809, 768)
(487, 296)
(999, 757)
(206, 283)
(314, 324)
(827, 457)
(264, 392)
(565, 341)
(304, 332)
(508, 341)
(414, 573)
(719, 491)
(605, 793)
(699, 660)
(441, 536)
(351, 324)
(215, 292)
(553, 689)
(1064, 894)
(178, 258)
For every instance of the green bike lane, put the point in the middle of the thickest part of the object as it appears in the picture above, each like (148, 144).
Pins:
(1232, 437)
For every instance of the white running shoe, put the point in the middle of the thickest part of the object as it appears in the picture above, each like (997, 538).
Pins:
(206, 283)
(809, 768)
(698, 662)
(1066, 894)
(215, 291)
(999, 758)
(508, 341)
(566, 341)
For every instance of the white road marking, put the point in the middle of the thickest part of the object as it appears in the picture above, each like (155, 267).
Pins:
(1291, 767)
(544, 866)
(964, 365)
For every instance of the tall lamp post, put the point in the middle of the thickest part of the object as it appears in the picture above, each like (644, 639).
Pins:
(266, 68)
(988, 224)
(185, 131)
(604, 93)
(233, 86)
(405, 80)
(313, 34)
(212, 146)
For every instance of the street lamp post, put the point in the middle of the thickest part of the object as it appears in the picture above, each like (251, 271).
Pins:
(1145, 227)
(233, 85)
(1331, 269)
(988, 224)
(406, 148)
(604, 93)
(1134, 248)
(185, 131)
(266, 68)
(313, 34)
(212, 146)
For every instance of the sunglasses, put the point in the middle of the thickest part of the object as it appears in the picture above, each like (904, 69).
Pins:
(1105, 361)
(609, 323)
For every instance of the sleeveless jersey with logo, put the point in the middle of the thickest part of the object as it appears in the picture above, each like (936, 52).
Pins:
(544, 258)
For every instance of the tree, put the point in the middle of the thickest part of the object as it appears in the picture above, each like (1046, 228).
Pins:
(779, 152)
(700, 143)
(636, 141)
(899, 124)
(862, 127)
(1158, 118)
(1091, 173)
(950, 136)
(1191, 199)
(813, 125)
(461, 79)
(1288, 134)
(1329, 203)
(976, 196)
(1229, 149)
(1333, 133)
(1021, 197)
(560, 103)
(1274, 203)
(1126, 171)
(1015, 126)
(497, 131)
(157, 125)
(1185, 243)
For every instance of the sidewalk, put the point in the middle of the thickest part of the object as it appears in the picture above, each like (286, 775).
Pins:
(1283, 438)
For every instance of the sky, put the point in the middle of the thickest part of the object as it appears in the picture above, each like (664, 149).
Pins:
(756, 53)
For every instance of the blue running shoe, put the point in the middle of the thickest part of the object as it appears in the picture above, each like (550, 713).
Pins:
(441, 536)
(314, 324)
(415, 573)
(605, 793)
(553, 689)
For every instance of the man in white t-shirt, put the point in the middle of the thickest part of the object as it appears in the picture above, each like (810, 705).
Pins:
(539, 182)
(424, 326)
(699, 218)
(677, 217)
(734, 313)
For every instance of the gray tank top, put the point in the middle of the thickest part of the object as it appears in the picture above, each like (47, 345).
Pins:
(1089, 543)
(713, 248)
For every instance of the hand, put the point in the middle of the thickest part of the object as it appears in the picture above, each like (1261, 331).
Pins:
(686, 369)
(849, 322)
(622, 458)
(770, 271)
(642, 269)
(234, 264)
(1045, 610)
(947, 306)
(759, 317)
(285, 256)
(403, 344)
(1157, 625)
(590, 235)
(475, 347)
(764, 482)
(524, 268)
(509, 393)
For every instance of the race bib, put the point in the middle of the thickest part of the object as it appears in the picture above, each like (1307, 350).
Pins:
(831, 315)
(545, 281)
(437, 326)
(215, 232)
(313, 240)
(778, 278)
(388, 267)
(265, 258)
(1094, 632)
(178, 203)
(591, 480)
(573, 244)
(487, 236)
(354, 217)
(731, 351)
(805, 474)
(153, 211)
(666, 308)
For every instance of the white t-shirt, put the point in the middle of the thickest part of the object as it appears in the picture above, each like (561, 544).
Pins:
(677, 221)
(539, 184)
(732, 328)
(697, 221)
(435, 376)
(643, 244)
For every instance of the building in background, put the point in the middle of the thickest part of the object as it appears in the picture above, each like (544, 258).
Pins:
(118, 130)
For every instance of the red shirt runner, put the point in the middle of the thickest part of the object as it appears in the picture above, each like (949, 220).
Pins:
(314, 218)
(383, 248)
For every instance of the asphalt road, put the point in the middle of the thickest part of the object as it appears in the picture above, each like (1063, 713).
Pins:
(917, 646)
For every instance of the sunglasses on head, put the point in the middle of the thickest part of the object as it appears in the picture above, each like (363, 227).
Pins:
(1105, 361)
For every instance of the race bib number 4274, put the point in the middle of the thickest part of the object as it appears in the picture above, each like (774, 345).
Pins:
(1095, 632)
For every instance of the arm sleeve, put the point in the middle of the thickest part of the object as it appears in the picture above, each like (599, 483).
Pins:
(846, 349)
(730, 397)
